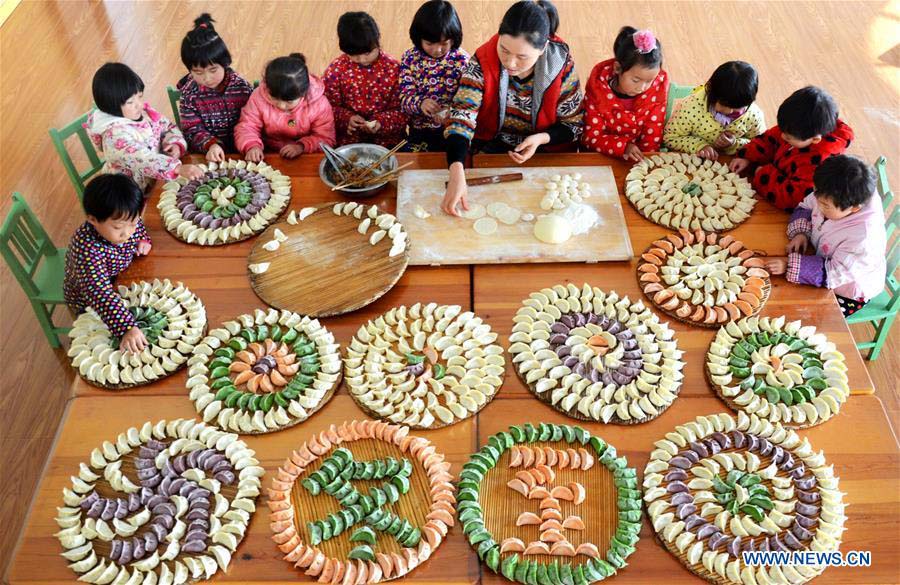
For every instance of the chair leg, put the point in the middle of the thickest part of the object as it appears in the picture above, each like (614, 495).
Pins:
(881, 333)
(45, 319)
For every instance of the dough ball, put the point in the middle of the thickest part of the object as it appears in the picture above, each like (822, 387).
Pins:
(476, 211)
(555, 178)
(547, 203)
(420, 212)
(551, 186)
(552, 229)
(485, 226)
(577, 176)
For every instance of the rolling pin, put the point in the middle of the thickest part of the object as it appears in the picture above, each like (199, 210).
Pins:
(492, 179)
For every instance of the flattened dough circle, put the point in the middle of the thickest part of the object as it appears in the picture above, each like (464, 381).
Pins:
(485, 226)
(475, 211)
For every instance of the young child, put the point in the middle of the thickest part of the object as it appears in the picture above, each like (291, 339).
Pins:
(288, 113)
(135, 139)
(808, 132)
(363, 85)
(430, 73)
(842, 224)
(721, 116)
(625, 98)
(103, 247)
(212, 94)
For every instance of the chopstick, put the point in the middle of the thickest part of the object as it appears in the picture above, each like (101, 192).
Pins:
(367, 181)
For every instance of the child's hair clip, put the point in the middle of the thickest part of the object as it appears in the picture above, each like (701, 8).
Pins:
(644, 41)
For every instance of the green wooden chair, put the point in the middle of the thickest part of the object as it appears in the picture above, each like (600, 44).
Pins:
(59, 137)
(36, 263)
(175, 97)
(676, 92)
(882, 310)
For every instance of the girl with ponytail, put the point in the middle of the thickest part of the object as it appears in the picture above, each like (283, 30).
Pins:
(212, 94)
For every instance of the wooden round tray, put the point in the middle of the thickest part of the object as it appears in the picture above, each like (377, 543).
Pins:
(428, 483)
(699, 569)
(104, 489)
(494, 495)
(671, 314)
(326, 267)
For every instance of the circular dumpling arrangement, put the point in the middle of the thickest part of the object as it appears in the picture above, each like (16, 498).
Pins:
(167, 503)
(425, 366)
(716, 488)
(549, 470)
(233, 201)
(264, 372)
(595, 356)
(384, 225)
(704, 279)
(172, 319)
(680, 190)
(378, 533)
(781, 371)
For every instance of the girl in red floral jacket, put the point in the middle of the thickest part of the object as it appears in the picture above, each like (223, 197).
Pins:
(363, 85)
(625, 98)
(786, 156)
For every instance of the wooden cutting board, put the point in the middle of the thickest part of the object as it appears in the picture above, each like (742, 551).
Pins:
(326, 267)
(443, 239)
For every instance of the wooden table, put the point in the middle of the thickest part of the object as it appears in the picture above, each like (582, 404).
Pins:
(868, 466)
(499, 290)
(869, 463)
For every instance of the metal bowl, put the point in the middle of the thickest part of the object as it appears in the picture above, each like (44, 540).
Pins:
(363, 154)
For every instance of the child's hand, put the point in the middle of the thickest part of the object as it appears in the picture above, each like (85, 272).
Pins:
(776, 265)
(291, 151)
(737, 165)
(173, 150)
(633, 153)
(526, 149)
(133, 341)
(190, 172)
(457, 191)
(255, 154)
(355, 123)
(430, 107)
(708, 152)
(215, 154)
(143, 248)
(798, 245)
(724, 140)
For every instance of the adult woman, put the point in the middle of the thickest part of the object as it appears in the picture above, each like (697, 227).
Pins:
(519, 93)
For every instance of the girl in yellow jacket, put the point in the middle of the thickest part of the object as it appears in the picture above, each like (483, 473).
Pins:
(719, 117)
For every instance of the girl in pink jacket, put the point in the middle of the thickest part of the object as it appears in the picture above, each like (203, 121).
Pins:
(288, 113)
(842, 224)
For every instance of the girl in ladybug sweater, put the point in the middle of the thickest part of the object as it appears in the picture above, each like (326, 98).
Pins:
(625, 98)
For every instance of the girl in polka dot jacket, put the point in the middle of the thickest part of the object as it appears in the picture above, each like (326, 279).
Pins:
(102, 248)
(363, 85)
(625, 98)
(720, 116)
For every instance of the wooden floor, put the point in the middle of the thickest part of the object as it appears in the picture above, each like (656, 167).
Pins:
(51, 49)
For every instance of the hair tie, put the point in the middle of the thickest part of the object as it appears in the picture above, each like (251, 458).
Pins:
(644, 41)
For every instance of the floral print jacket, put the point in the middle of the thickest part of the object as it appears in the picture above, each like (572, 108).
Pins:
(136, 147)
